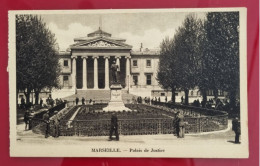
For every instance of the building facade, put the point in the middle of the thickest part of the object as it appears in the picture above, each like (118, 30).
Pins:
(85, 69)
(86, 66)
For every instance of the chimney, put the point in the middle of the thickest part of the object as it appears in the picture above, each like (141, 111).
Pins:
(141, 47)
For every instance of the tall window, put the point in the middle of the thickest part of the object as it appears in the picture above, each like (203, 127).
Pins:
(65, 81)
(210, 92)
(148, 79)
(220, 93)
(135, 79)
(135, 63)
(65, 63)
(148, 63)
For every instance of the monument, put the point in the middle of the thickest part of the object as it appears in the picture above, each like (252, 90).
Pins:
(116, 102)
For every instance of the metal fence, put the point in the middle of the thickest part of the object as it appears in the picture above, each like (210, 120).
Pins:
(197, 120)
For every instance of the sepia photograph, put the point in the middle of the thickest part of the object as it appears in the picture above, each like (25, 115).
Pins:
(128, 83)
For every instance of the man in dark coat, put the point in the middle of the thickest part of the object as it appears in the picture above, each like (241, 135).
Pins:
(179, 125)
(56, 124)
(46, 119)
(41, 102)
(26, 119)
(83, 101)
(22, 103)
(77, 100)
(114, 127)
(236, 129)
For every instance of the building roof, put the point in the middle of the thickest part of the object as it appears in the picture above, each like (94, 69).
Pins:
(99, 32)
(99, 40)
(86, 38)
(64, 54)
(145, 52)
(100, 43)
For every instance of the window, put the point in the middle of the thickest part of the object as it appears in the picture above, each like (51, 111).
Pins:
(162, 94)
(148, 63)
(191, 93)
(220, 93)
(65, 63)
(210, 92)
(135, 63)
(148, 79)
(65, 78)
(65, 81)
(135, 79)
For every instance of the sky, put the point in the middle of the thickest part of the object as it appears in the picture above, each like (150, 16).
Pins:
(147, 28)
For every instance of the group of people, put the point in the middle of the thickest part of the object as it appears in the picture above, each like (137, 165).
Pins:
(83, 101)
(49, 101)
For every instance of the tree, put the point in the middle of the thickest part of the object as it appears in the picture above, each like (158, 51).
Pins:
(36, 56)
(188, 50)
(168, 74)
(222, 53)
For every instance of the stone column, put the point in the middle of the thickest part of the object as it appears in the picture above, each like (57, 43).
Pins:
(127, 80)
(106, 72)
(84, 78)
(74, 72)
(95, 72)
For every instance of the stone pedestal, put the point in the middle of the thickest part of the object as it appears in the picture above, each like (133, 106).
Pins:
(116, 102)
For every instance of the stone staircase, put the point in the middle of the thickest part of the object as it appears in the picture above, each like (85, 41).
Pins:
(99, 96)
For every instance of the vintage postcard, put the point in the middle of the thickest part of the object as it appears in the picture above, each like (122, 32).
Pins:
(128, 83)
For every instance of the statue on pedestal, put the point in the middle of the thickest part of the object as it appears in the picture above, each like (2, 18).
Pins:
(114, 71)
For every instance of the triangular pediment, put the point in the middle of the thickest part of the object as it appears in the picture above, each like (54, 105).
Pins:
(101, 43)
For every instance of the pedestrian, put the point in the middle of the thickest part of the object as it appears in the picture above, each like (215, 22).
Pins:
(26, 119)
(176, 124)
(180, 125)
(236, 129)
(56, 123)
(22, 103)
(77, 100)
(155, 101)
(182, 99)
(52, 102)
(166, 99)
(41, 102)
(83, 101)
(114, 127)
(46, 119)
(30, 118)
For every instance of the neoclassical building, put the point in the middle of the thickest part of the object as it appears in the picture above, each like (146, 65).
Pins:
(86, 70)
(86, 66)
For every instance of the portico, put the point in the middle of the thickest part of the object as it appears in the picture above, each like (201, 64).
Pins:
(93, 72)
(92, 57)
